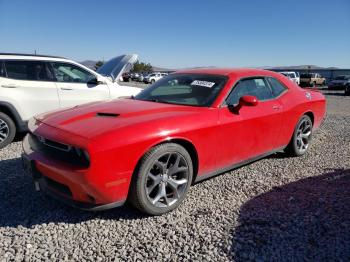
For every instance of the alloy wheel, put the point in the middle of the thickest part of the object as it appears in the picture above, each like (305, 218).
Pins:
(304, 135)
(167, 179)
(4, 130)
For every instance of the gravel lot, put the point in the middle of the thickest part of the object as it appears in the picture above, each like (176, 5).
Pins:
(278, 208)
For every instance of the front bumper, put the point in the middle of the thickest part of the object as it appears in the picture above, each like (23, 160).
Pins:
(63, 183)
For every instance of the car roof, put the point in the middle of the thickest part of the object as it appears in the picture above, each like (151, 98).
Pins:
(238, 72)
(30, 57)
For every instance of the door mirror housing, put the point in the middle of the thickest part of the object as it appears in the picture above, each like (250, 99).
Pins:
(98, 80)
(248, 101)
(244, 101)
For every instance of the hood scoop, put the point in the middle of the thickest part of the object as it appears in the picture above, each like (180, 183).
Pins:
(106, 114)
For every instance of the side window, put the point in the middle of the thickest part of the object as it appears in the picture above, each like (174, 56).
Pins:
(70, 73)
(276, 86)
(254, 87)
(27, 70)
(2, 69)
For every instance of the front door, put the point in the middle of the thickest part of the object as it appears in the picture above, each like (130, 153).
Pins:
(253, 130)
(73, 85)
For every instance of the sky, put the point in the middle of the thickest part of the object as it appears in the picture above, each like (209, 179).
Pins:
(181, 34)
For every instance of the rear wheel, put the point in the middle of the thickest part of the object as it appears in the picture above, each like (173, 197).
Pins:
(153, 81)
(7, 130)
(162, 179)
(299, 144)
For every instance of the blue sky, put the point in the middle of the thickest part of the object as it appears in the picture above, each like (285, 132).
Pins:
(177, 34)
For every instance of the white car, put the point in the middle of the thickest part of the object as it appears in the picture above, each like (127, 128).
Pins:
(294, 76)
(151, 78)
(33, 84)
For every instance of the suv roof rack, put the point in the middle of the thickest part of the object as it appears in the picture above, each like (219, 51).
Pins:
(19, 54)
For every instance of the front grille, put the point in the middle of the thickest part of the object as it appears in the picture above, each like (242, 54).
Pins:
(58, 151)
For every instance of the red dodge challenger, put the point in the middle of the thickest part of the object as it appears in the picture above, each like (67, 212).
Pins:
(186, 127)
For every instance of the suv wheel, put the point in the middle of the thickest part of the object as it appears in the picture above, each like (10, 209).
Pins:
(162, 180)
(7, 130)
(153, 81)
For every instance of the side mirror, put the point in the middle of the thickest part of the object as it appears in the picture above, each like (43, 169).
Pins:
(248, 101)
(98, 80)
(244, 101)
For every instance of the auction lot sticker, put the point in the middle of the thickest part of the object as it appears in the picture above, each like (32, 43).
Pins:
(202, 83)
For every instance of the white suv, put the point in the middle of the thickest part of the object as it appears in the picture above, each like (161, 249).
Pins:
(151, 78)
(294, 76)
(33, 84)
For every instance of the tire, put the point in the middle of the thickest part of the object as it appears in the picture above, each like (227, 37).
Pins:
(153, 81)
(347, 90)
(300, 141)
(162, 180)
(7, 130)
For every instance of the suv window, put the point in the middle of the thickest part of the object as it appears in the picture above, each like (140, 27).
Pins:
(27, 70)
(254, 87)
(70, 73)
(2, 69)
(276, 86)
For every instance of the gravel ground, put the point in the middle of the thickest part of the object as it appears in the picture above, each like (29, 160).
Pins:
(278, 208)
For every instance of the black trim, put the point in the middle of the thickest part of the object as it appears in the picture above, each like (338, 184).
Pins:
(235, 166)
(21, 125)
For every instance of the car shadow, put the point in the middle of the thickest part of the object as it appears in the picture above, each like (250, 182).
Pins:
(305, 220)
(21, 205)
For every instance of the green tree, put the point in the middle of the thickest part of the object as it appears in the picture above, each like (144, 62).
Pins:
(98, 64)
(141, 67)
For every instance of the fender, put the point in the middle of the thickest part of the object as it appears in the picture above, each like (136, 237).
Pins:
(20, 124)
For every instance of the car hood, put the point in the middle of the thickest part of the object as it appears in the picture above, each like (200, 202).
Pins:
(94, 119)
(115, 67)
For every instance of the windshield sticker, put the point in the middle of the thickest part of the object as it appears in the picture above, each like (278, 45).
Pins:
(202, 83)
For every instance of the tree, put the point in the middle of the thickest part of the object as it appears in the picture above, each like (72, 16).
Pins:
(98, 64)
(141, 67)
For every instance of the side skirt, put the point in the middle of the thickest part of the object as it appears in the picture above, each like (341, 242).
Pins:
(235, 166)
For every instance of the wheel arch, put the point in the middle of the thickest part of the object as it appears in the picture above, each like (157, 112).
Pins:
(11, 111)
(185, 143)
(311, 115)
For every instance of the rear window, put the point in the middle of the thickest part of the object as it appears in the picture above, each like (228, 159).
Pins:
(305, 75)
(276, 86)
(26, 70)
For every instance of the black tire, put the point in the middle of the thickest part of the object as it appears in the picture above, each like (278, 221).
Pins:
(347, 90)
(158, 163)
(7, 130)
(295, 147)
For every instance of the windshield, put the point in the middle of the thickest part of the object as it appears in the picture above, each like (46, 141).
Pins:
(185, 89)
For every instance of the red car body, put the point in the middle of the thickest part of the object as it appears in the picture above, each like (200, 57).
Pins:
(116, 135)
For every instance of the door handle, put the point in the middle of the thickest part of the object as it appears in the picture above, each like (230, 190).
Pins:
(66, 88)
(10, 86)
(276, 107)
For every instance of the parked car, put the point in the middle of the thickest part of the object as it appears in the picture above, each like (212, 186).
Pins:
(142, 76)
(194, 124)
(312, 79)
(135, 76)
(33, 84)
(151, 78)
(292, 76)
(341, 82)
(126, 77)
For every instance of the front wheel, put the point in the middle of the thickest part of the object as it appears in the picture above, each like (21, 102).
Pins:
(300, 141)
(162, 180)
(7, 130)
